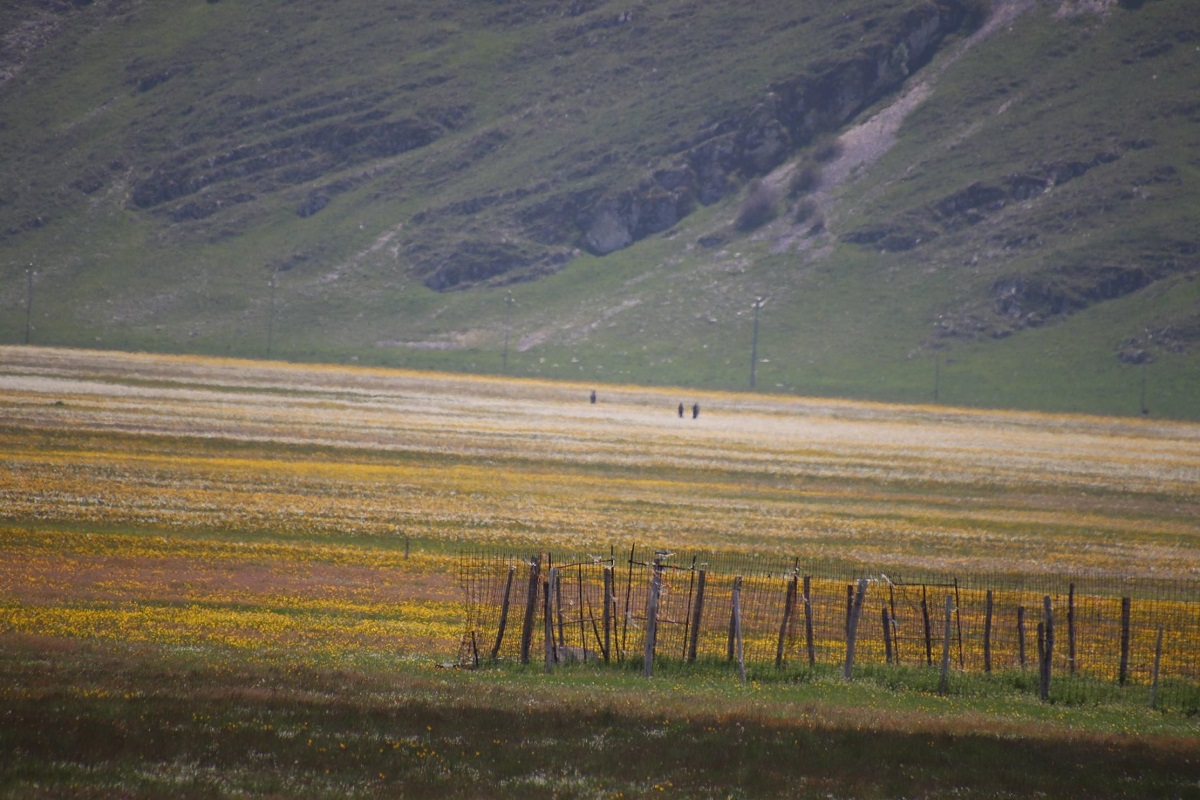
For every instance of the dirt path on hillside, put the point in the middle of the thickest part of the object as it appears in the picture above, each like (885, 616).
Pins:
(866, 142)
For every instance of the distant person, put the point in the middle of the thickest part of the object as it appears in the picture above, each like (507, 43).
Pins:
(681, 410)
(695, 410)
(593, 397)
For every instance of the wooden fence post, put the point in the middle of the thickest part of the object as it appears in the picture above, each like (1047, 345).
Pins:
(583, 648)
(558, 610)
(944, 683)
(609, 601)
(808, 621)
(535, 567)
(1157, 663)
(789, 601)
(652, 619)
(962, 659)
(1126, 608)
(887, 635)
(548, 607)
(1021, 635)
(1047, 648)
(891, 605)
(687, 619)
(928, 631)
(736, 627)
(1071, 629)
(623, 647)
(697, 615)
(731, 644)
(852, 627)
(495, 654)
(987, 633)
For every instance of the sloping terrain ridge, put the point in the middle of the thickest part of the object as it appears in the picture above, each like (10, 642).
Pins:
(596, 189)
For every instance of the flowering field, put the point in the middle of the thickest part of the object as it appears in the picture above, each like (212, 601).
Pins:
(253, 504)
(221, 578)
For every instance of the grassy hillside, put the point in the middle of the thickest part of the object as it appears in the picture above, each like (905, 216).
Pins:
(554, 189)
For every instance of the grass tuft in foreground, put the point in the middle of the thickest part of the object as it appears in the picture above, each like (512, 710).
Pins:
(84, 719)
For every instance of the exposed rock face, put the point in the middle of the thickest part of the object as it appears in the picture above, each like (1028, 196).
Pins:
(705, 168)
(1029, 300)
(295, 157)
(719, 160)
(972, 204)
(655, 206)
(476, 262)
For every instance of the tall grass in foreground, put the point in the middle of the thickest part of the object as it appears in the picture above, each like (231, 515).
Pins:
(93, 720)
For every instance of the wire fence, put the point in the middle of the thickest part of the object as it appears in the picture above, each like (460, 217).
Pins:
(1089, 630)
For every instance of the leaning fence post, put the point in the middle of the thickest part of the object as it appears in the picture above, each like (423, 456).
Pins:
(652, 619)
(503, 613)
(887, 635)
(944, 683)
(1126, 608)
(697, 612)
(789, 602)
(808, 621)
(987, 634)
(852, 627)
(535, 566)
(1157, 662)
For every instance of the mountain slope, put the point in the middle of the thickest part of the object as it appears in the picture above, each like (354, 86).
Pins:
(565, 188)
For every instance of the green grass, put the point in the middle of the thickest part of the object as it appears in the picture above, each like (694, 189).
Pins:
(580, 106)
(88, 719)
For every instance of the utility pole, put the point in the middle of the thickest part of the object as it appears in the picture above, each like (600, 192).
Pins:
(937, 375)
(271, 314)
(508, 304)
(759, 302)
(1144, 407)
(28, 300)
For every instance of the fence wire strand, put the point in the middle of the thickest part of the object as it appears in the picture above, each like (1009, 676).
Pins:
(796, 613)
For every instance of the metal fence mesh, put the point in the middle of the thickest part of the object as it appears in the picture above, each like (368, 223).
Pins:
(1106, 629)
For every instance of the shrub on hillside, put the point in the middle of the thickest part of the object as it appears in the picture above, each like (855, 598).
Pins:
(804, 210)
(759, 207)
(976, 13)
(806, 178)
(826, 150)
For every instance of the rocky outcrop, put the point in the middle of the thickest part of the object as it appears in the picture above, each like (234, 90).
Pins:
(295, 157)
(654, 206)
(474, 262)
(972, 204)
(720, 159)
(1031, 299)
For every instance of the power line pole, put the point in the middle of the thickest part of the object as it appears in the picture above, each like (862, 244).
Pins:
(937, 376)
(28, 300)
(271, 315)
(508, 304)
(759, 302)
